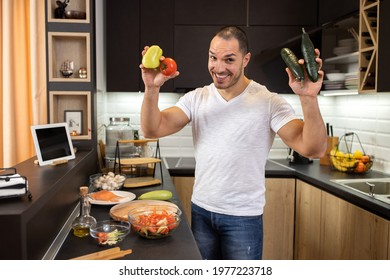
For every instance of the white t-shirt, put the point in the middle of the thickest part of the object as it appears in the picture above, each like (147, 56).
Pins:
(232, 140)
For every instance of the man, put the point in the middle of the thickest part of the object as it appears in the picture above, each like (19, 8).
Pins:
(234, 121)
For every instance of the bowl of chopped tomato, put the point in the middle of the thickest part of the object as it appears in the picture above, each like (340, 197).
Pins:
(154, 221)
(109, 232)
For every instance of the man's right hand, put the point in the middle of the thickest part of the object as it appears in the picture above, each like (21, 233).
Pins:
(153, 78)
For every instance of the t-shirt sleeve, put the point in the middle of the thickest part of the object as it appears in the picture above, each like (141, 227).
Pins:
(184, 103)
(281, 113)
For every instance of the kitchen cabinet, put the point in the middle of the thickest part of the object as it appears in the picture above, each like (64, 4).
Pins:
(307, 222)
(130, 26)
(282, 13)
(184, 187)
(328, 227)
(71, 75)
(278, 219)
(330, 10)
(191, 45)
(205, 12)
(349, 232)
(122, 45)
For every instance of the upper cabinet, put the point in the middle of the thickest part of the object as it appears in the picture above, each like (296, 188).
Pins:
(130, 26)
(184, 28)
(122, 45)
(206, 12)
(282, 12)
(331, 10)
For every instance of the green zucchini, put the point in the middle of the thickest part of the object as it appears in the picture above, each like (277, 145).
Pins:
(292, 63)
(157, 195)
(309, 56)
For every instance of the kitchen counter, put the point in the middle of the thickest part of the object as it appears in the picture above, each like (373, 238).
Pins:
(180, 245)
(30, 226)
(315, 174)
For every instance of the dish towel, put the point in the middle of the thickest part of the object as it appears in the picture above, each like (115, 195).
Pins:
(13, 185)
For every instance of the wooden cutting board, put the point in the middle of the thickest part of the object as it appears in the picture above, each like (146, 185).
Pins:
(138, 161)
(119, 212)
(140, 182)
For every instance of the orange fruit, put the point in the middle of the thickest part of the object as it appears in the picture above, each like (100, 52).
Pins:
(360, 167)
(365, 159)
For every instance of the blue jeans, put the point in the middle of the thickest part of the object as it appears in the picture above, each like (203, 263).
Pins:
(227, 237)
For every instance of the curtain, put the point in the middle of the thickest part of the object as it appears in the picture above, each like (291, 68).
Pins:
(22, 77)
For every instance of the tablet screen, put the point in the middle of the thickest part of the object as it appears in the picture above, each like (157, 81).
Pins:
(52, 143)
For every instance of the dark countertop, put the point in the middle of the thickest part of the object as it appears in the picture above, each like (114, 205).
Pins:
(32, 225)
(315, 174)
(180, 245)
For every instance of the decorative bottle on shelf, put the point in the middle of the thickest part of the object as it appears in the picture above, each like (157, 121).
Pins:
(83, 222)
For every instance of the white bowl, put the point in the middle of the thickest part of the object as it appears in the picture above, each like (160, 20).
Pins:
(349, 42)
(342, 50)
(335, 76)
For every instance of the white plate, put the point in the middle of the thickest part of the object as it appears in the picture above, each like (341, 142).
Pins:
(127, 196)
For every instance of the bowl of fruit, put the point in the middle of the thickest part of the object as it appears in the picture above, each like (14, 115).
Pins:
(345, 159)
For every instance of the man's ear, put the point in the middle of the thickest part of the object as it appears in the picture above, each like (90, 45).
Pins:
(247, 58)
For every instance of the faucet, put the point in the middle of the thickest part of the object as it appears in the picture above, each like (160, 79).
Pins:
(372, 189)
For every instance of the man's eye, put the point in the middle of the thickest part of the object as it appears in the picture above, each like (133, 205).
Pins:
(230, 60)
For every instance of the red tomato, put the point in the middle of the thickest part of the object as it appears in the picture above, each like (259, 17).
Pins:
(168, 66)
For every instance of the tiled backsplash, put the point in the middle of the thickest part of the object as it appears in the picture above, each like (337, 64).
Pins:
(366, 115)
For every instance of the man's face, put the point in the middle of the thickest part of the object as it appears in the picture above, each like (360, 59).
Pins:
(226, 62)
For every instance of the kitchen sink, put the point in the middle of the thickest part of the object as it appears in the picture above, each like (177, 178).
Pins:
(378, 188)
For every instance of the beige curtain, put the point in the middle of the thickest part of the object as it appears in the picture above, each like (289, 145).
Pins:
(22, 77)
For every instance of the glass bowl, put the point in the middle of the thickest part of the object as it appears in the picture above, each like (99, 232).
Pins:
(109, 181)
(109, 232)
(155, 221)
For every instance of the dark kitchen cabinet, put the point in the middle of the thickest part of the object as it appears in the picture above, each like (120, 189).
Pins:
(122, 45)
(205, 12)
(282, 12)
(157, 28)
(130, 26)
(331, 10)
(191, 54)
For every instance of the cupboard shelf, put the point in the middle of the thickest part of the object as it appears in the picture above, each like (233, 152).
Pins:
(79, 5)
(72, 101)
(72, 46)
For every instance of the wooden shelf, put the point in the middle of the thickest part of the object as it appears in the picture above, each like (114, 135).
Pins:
(368, 47)
(141, 182)
(73, 5)
(73, 46)
(72, 101)
(138, 161)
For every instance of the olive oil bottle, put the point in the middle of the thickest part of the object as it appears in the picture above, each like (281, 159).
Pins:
(83, 222)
